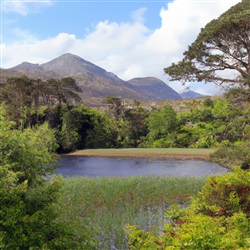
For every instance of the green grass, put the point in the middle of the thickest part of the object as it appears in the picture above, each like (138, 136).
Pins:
(104, 206)
(148, 152)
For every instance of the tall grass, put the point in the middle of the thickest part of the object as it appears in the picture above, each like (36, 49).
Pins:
(147, 152)
(105, 205)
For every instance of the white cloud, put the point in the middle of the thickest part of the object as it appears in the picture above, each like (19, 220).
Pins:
(24, 7)
(138, 15)
(37, 52)
(24, 35)
(209, 89)
(130, 49)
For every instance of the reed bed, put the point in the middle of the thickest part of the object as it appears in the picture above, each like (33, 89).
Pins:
(106, 205)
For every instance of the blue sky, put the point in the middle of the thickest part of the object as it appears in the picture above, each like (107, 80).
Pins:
(129, 38)
(76, 17)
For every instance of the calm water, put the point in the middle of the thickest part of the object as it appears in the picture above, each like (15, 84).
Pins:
(112, 166)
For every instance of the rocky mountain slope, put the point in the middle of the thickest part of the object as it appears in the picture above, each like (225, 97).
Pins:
(155, 88)
(95, 81)
(190, 94)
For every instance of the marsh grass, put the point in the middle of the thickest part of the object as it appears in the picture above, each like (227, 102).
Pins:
(105, 205)
(148, 152)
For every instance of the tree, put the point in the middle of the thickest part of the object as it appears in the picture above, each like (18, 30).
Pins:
(223, 45)
(160, 124)
(29, 216)
(26, 97)
(116, 106)
(76, 123)
(228, 155)
(136, 128)
(19, 94)
(60, 91)
(208, 102)
(104, 133)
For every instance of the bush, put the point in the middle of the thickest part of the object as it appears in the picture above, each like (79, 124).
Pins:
(217, 219)
(224, 195)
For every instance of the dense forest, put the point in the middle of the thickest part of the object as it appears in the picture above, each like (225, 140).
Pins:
(40, 119)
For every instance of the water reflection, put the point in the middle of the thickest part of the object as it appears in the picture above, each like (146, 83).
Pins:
(114, 166)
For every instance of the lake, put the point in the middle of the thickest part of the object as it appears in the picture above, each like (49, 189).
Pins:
(117, 166)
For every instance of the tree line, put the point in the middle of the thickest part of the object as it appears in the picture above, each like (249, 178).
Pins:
(217, 122)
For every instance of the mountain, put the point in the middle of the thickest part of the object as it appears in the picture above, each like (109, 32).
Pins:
(190, 94)
(155, 88)
(27, 65)
(95, 81)
(71, 65)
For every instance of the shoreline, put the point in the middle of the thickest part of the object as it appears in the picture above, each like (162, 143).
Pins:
(143, 153)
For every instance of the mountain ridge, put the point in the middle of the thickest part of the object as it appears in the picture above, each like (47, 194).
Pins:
(155, 87)
(95, 81)
(189, 94)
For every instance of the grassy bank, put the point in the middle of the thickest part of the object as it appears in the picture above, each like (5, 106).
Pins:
(103, 206)
(191, 153)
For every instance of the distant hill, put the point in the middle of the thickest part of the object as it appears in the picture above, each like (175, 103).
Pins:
(190, 94)
(155, 88)
(95, 81)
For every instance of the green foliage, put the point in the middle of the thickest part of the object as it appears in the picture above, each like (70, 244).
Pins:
(116, 106)
(26, 97)
(164, 143)
(104, 133)
(238, 96)
(230, 155)
(217, 219)
(136, 127)
(110, 132)
(224, 195)
(60, 91)
(29, 217)
(221, 109)
(161, 123)
(79, 127)
(139, 239)
(204, 124)
(27, 151)
(73, 121)
(208, 102)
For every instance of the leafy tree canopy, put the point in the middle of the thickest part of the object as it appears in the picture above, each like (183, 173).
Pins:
(160, 124)
(221, 52)
(26, 96)
(27, 90)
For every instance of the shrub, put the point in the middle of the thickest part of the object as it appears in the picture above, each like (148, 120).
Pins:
(224, 195)
(217, 219)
